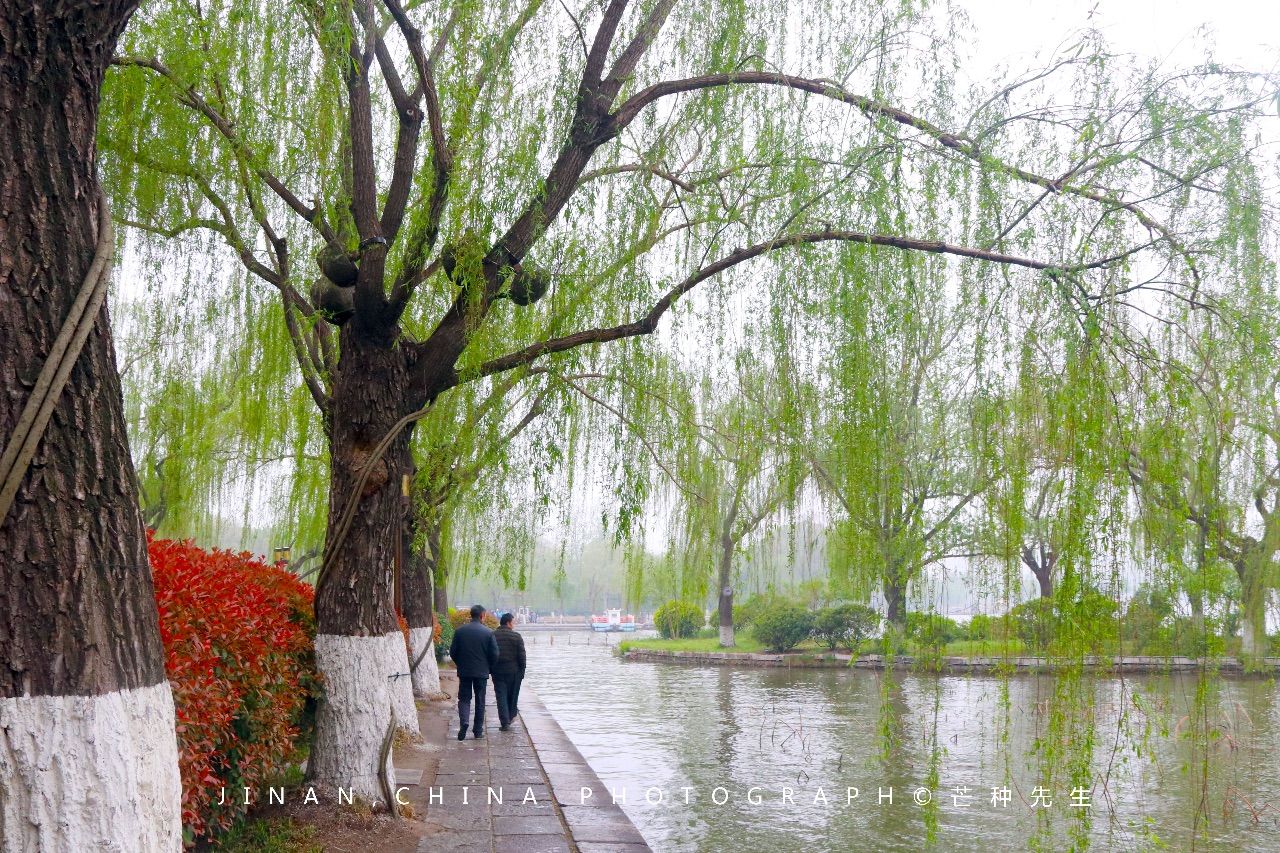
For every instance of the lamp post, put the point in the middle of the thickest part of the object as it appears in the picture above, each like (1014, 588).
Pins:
(282, 554)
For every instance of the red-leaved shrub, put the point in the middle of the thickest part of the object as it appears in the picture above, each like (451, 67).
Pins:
(462, 615)
(238, 639)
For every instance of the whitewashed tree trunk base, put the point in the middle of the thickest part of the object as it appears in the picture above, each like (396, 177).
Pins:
(400, 684)
(353, 716)
(90, 772)
(426, 678)
(726, 636)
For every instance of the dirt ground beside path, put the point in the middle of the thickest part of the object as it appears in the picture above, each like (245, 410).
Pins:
(298, 827)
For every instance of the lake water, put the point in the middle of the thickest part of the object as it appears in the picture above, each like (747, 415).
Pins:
(1133, 749)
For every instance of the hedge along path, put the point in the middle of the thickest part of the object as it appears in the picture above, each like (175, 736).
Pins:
(20, 448)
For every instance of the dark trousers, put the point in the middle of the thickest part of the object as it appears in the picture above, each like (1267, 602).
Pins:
(467, 687)
(514, 701)
(504, 687)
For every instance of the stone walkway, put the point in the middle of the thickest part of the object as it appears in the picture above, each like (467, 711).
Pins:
(540, 778)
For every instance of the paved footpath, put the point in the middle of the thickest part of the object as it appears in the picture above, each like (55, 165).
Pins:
(540, 777)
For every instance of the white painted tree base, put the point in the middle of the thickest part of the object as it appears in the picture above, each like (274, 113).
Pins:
(426, 678)
(90, 772)
(400, 684)
(353, 716)
(726, 637)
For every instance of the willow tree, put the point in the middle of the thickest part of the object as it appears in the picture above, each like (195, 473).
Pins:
(1207, 460)
(88, 755)
(1036, 474)
(448, 166)
(903, 460)
(220, 426)
(708, 452)
(1049, 496)
(740, 477)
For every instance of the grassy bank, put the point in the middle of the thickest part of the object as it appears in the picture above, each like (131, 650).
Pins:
(746, 643)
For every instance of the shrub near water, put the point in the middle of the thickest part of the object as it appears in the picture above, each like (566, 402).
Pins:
(933, 630)
(744, 614)
(783, 626)
(238, 639)
(678, 619)
(844, 625)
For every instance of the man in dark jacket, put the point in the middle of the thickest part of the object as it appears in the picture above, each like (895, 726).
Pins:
(475, 652)
(509, 672)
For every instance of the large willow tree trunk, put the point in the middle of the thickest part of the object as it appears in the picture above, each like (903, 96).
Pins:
(359, 646)
(88, 754)
(725, 577)
(895, 603)
(1041, 565)
(416, 605)
(1251, 570)
(440, 586)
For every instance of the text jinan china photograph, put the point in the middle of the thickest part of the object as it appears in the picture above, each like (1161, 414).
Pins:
(613, 426)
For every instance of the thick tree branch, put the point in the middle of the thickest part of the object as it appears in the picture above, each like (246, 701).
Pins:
(364, 188)
(825, 88)
(631, 55)
(599, 55)
(647, 324)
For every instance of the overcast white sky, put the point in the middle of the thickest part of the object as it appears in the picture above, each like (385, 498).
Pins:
(1244, 32)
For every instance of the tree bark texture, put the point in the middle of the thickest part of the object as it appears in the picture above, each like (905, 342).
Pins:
(417, 598)
(369, 397)
(77, 611)
(88, 752)
(725, 577)
(895, 601)
(360, 649)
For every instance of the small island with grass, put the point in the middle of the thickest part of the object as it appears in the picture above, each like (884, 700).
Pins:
(774, 630)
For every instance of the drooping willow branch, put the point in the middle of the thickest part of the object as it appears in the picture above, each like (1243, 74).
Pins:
(190, 97)
(629, 109)
(649, 323)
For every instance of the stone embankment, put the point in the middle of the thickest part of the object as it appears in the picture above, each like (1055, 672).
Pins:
(1015, 663)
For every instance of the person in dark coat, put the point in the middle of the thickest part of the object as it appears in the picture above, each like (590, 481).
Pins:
(474, 652)
(509, 672)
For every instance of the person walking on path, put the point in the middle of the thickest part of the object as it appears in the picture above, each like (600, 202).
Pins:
(509, 671)
(475, 653)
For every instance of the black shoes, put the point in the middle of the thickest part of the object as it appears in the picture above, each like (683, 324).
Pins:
(505, 727)
(462, 732)
(479, 734)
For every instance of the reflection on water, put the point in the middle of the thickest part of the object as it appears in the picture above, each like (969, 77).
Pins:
(681, 732)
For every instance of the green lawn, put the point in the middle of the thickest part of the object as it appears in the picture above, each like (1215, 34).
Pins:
(744, 643)
(984, 648)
